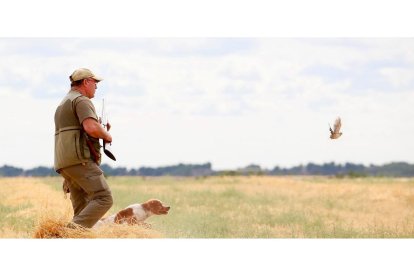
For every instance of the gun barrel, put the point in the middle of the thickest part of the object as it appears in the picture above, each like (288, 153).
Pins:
(104, 121)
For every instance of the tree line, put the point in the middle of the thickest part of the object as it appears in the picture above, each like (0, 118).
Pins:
(394, 169)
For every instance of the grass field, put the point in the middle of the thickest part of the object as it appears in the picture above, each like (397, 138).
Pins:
(234, 207)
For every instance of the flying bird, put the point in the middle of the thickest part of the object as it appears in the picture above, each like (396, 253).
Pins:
(335, 134)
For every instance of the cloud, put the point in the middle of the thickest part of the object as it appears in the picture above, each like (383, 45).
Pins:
(228, 101)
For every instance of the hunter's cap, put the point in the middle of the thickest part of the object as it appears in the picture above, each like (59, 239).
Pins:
(83, 73)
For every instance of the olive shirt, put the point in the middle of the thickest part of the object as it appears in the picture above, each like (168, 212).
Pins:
(85, 109)
(70, 138)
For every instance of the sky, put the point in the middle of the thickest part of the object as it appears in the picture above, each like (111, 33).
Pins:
(229, 101)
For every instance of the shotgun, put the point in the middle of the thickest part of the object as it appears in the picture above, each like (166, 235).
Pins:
(104, 121)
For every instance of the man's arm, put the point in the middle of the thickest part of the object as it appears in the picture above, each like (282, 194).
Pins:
(94, 129)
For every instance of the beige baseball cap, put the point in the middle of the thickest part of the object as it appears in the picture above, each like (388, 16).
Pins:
(83, 73)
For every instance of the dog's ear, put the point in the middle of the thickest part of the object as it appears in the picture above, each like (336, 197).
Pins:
(124, 215)
(151, 205)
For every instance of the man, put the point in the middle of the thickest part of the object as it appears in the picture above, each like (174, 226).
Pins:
(77, 150)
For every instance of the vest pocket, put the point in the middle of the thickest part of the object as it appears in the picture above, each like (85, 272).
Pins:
(77, 145)
(67, 151)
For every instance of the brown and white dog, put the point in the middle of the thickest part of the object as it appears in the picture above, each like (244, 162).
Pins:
(135, 213)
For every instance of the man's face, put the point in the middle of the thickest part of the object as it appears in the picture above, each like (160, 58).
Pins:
(90, 85)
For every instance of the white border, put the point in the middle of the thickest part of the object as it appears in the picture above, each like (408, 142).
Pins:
(214, 18)
(207, 257)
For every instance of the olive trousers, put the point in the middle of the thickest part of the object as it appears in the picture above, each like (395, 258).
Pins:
(89, 193)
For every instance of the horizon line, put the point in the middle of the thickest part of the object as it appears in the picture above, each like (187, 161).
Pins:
(226, 169)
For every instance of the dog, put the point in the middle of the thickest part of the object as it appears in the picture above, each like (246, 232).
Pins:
(135, 213)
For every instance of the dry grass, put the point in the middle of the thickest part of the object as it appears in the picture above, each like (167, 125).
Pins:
(50, 228)
(229, 207)
(39, 211)
(23, 200)
(278, 207)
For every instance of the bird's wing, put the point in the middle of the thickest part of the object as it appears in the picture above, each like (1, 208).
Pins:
(330, 129)
(337, 125)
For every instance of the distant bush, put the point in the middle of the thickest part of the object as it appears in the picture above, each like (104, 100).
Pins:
(351, 175)
(395, 169)
(229, 173)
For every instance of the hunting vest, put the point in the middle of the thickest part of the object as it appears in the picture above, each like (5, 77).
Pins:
(71, 147)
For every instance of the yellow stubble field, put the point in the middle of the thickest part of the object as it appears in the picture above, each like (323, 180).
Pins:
(230, 206)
